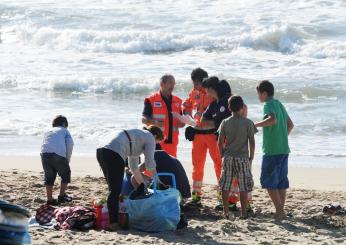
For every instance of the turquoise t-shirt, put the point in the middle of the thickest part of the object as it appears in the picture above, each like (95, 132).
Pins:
(275, 137)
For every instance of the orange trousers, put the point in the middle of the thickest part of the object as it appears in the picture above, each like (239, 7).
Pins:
(200, 145)
(171, 149)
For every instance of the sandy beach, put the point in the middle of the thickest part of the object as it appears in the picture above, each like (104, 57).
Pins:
(311, 190)
(328, 179)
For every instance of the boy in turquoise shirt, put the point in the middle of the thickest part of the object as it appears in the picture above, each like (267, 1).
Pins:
(277, 125)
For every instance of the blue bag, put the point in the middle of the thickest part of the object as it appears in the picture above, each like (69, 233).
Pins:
(159, 212)
(127, 186)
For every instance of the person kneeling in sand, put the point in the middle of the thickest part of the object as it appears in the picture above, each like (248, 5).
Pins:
(165, 163)
(56, 152)
(127, 144)
(238, 132)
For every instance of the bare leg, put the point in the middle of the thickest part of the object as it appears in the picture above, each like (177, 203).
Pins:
(63, 187)
(275, 197)
(225, 195)
(243, 202)
(282, 193)
(49, 190)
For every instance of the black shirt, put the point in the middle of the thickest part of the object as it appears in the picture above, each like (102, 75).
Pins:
(148, 112)
(217, 111)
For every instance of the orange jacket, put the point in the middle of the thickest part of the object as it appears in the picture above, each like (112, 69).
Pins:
(198, 100)
(160, 112)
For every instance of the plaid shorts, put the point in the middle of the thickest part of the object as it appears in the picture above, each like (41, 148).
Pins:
(235, 167)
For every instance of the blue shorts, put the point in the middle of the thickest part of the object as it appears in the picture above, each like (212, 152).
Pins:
(274, 172)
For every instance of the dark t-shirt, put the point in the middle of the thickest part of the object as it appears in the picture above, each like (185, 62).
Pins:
(217, 111)
(168, 164)
(148, 112)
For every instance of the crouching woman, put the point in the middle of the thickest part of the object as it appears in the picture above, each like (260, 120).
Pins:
(127, 144)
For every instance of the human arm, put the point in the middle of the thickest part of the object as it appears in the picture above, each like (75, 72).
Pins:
(220, 142)
(267, 122)
(69, 145)
(187, 105)
(252, 147)
(149, 154)
(251, 131)
(181, 124)
(290, 124)
(207, 121)
(221, 139)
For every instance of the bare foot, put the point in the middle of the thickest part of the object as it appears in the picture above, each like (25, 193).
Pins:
(280, 216)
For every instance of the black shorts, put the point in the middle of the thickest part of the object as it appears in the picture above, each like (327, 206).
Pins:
(54, 164)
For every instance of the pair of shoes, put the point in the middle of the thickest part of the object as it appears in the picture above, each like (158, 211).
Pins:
(219, 207)
(333, 209)
(53, 202)
(64, 198)
(196, 198)
(231, 206)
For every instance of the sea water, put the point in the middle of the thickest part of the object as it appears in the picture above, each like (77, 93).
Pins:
(96, 61)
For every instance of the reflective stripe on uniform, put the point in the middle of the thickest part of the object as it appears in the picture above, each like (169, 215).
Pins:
(197, 185)
(159, 116)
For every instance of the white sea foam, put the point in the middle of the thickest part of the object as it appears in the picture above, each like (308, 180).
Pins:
(283, 39)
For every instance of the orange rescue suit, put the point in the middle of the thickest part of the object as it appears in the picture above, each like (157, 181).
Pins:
(198, 100)
(160, 113)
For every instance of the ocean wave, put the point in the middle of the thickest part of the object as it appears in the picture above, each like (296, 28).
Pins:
(284, 39)
(325, 49)
(114, 41)
(294, 93)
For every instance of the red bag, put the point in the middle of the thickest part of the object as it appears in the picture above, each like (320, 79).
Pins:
(44, 214)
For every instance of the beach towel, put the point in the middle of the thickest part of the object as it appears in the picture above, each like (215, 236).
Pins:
(159, 212)
(44, 214)
(80, 218)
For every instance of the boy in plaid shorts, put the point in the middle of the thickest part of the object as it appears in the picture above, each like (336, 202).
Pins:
(239, 134)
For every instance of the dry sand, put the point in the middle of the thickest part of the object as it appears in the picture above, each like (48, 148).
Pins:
(206, 226)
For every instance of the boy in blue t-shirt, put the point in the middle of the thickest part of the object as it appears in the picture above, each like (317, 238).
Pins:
(277, 125)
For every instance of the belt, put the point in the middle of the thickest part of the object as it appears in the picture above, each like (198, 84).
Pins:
(208, 131)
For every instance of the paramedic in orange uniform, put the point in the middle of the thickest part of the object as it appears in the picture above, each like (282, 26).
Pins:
(204, 139)
(158, 110)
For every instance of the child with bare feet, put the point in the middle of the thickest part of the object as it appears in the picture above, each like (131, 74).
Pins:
(239, 134)
(277, 125)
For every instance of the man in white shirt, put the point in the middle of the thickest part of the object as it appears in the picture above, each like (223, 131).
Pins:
(56, 151)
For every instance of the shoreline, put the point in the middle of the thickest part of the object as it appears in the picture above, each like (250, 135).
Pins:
(311, 178)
